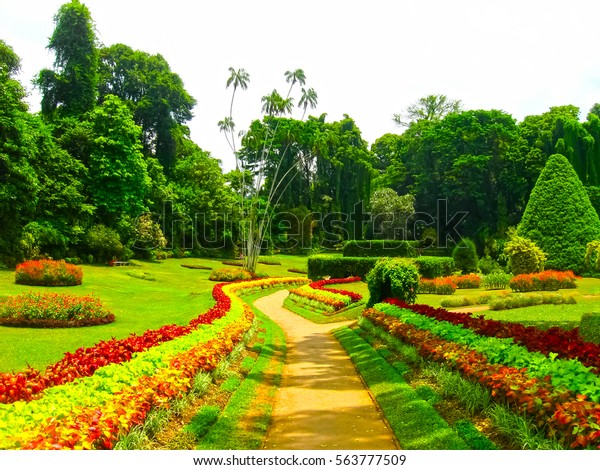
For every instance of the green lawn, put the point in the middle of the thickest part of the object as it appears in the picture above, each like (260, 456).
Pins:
(178, 295)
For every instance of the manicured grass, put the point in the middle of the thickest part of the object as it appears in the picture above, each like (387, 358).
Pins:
(176, 296)
(416, 424)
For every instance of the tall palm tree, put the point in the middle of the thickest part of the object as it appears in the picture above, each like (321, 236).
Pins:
(275, 105)
(309, 98)
(238, 78)
(297, 76)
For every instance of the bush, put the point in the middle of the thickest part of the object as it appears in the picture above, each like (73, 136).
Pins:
(381, 248)
(559, 217)
(48, 273)
(488, 265)
(434, 266)
(592, 257)
(527, 300)
(465, 256)
(230, 275)
(395, 278)
(440, 285)
(467, 281)
(321, 266)
(458, 301)
(103, 243)
(589, 328)
(496, 280)
(546, 280)
(45, 310)
(524, 256)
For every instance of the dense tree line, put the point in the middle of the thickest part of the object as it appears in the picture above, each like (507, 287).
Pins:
(108, 162)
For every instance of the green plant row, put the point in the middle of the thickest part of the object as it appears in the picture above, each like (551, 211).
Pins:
(508, 300)
(416, 424)
(569, 374)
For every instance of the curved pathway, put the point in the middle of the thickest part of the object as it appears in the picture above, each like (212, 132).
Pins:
(322, 402)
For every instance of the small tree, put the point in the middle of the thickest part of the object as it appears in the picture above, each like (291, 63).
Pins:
(393, 277)
(559, 217)
(465, 256)
(524, 256)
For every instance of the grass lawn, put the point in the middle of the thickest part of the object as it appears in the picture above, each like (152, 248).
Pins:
(178, 295)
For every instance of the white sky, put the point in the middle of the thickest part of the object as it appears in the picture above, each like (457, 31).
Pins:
(367, 59)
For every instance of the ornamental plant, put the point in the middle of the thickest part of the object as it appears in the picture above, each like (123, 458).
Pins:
(230, 275)
(48, 273)
(465, 256)
(48, 310)
(393, 278)
(546, 280)
(524, 256)
(559, 216)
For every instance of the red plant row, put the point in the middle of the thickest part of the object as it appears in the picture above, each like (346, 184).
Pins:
(48, 273)
(565, 343)
(320, 285)
(571, 419)
(27, 385)
(546, 280)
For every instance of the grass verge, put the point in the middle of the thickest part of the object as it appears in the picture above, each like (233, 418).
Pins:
(416, 424)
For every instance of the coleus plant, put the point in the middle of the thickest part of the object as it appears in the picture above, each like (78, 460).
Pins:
(571, 418)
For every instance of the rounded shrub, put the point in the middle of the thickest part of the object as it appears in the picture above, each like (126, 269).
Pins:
(48, 273)
(524, 256)
(592, 257)
(230, 275)
(104, 243)
(395, 278)
(589, 328)
(559, 216)
(465, 256)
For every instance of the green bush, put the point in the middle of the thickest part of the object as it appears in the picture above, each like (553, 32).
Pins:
(396, 278)
(524, 256)
(458, 301)
(103, 243)
(488, 265)
(559, 217)
(229, 275)
(496, 280)
(589, 328)
(592, 257)
(527, 300)
(381, 248)
(465, 256)
(434, 266)
(321, 266)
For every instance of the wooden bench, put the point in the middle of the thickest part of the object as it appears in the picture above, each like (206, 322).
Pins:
(119, 263)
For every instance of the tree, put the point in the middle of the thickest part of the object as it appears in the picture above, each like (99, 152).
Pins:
(71, 89)
(156, 96)
(559, 217)
(429, 108)
(118, 174)
(389, 213)
(309, 98)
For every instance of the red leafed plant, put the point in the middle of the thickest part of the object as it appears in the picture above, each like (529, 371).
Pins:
(320, 285)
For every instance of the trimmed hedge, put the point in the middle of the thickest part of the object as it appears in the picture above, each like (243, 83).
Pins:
(381, 248)
(322, 266)
(431, 267)
(393, 277)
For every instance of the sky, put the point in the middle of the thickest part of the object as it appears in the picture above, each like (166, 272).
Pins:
(367, 59)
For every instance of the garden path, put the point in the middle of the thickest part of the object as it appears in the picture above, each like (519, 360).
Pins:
(322, 402)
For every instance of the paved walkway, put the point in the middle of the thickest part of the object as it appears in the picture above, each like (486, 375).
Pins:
(322, 403)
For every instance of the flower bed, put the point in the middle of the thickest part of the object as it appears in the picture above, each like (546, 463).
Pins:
(439, 285)
(326, 300)
(546, 280)
(48, 273)
(47, 310)
(93, 411)
(565, 414)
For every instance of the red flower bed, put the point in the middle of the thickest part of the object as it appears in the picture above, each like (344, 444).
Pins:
(320, 285)
(571, 419)
(546, 280)
(439, 285)
(48, 273)
(467, 281)
(565, 343)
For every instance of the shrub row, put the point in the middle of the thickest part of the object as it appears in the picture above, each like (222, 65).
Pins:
(431, 267)
(546, 280)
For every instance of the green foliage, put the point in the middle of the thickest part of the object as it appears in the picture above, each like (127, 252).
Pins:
(488, 265)
(472, 436)
(589, 327)
(395, 278)
(139, 274)
(527, 300)
(103, 243)
(559, 216)
(465, 256)
(321, 266)
(431, 267)
(390, 213)
(524, 256)
(380, 248)
(496, 280)
(230, 275)
(203, 420)
(592, 257)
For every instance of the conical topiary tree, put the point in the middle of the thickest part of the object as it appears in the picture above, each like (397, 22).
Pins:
(559, 217)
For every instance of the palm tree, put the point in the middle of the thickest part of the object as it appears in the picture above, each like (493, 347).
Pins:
(309, 98)
(297, 76)
(238, 78)
(274, 104)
